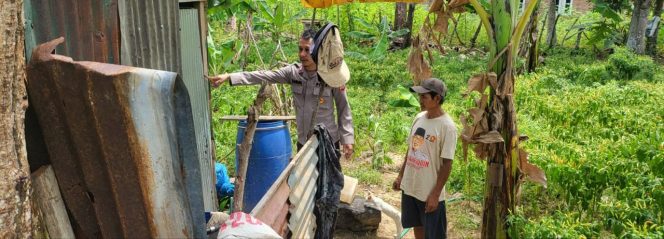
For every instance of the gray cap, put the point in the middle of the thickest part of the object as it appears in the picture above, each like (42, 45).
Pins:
(430, 85)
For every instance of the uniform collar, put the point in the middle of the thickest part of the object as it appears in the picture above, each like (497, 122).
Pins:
(304, 73)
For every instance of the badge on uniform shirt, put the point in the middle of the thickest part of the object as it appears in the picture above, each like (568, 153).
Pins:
(321, 100)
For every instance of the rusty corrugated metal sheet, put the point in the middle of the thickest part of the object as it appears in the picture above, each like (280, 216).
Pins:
(113, 144)
(150, 34)
(92, 32)
(144, 33)
(151, 39)
(302, 181)
(90, 28)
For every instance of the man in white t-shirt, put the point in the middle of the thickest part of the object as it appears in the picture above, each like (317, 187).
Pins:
(428, 164)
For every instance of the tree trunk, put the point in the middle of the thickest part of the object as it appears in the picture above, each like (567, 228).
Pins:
(552, 19)
(492, 125)
(496, 196)
(403, 19)
(651, 42)
(400, 16)
(637, 27)
(409, 23)
(16, 216)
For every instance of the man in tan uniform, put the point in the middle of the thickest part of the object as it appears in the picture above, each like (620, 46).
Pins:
(307, 97)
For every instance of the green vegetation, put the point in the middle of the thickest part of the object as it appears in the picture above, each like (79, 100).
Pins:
(595, 123)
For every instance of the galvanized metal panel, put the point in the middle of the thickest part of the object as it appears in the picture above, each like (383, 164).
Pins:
(198, 88)
(301, 195)
(90, 28)
(113, 145)
(302, 182)
(150, 34)
(150, 38)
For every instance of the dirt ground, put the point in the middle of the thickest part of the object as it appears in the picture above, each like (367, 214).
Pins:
(464, 217)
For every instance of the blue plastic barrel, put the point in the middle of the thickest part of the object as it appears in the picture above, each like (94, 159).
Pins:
(269, 157)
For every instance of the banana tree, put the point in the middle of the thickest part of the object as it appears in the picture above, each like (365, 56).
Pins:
(492, 125)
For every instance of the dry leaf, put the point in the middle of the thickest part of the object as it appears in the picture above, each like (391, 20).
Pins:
(490, 137)
(436, 6)
(442, 22)
(534, 173)
(481, 151)
(457, 4)
(414, 60)
(417, 66)
(477, 83)
(477, 114)
(493, 79)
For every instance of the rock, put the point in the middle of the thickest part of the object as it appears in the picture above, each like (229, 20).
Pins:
(360, 216)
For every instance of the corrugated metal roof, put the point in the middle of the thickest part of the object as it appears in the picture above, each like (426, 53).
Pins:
(150, 34)
(198, 88)
(297, 184)
(90, 28)
(113, 141)
(302, 181)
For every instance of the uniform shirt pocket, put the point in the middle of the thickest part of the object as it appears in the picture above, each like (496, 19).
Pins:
(327, 91)
(297, 89)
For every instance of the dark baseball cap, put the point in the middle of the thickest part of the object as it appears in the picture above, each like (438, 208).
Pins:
(430, 85)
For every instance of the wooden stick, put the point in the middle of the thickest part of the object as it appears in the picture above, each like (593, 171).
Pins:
(245, 147)
(50, 202)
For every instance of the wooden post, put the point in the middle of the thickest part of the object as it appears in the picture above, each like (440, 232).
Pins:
(47, 195)
(245, 146)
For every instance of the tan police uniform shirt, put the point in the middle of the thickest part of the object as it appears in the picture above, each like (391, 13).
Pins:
(306, 97)
(429, 142)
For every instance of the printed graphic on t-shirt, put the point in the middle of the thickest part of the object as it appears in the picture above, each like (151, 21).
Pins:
(416, 157)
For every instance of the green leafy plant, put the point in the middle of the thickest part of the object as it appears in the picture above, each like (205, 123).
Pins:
(376, 145)
(221, 9)
(378, 36)
(221, 56)
(406, 98)
(612, 28)
(276, 19)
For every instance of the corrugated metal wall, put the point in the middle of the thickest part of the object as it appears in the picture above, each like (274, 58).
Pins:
(198, 88)
(150, 34)
(90, 28)
(91, 32)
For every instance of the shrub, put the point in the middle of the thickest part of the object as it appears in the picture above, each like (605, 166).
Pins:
(625, 65)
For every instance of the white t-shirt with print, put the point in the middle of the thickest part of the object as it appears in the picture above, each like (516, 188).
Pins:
(430, 141)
